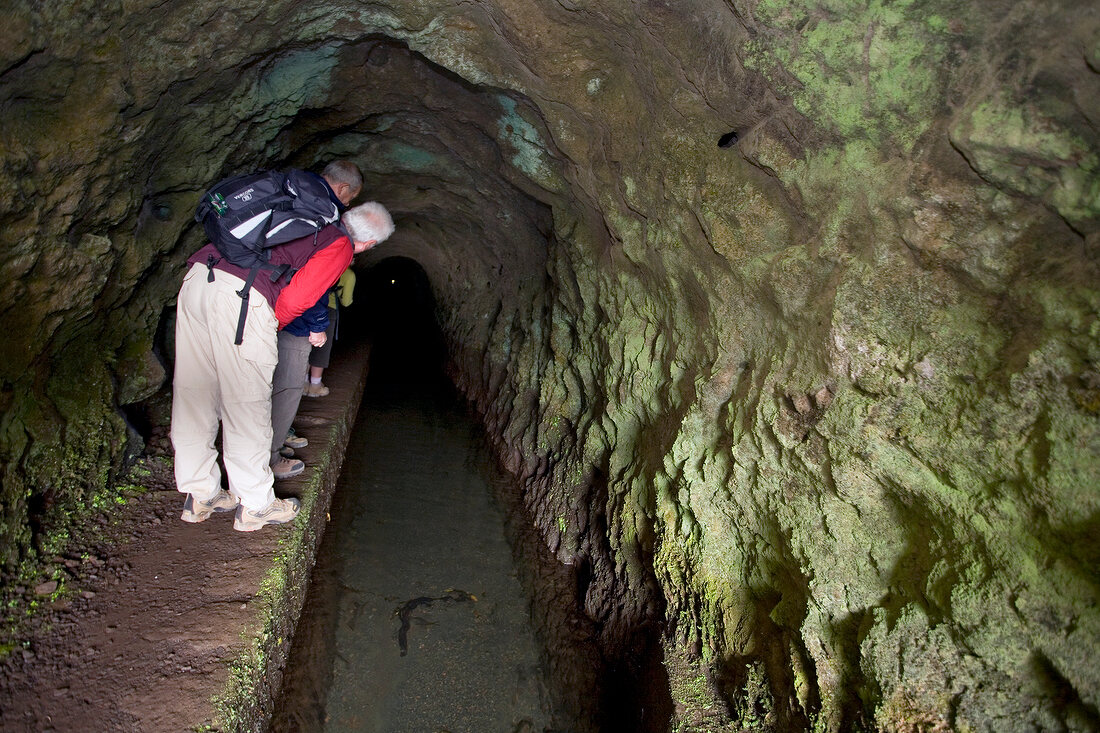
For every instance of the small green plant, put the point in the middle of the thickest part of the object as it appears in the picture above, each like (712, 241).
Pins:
(140, 471)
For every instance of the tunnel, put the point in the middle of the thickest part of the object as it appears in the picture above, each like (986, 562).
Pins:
(782, 316)
(397, 315)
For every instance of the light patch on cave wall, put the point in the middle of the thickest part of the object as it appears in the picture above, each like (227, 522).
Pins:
(409, 157)
(530, 156)
(864, 69)
(299, 78)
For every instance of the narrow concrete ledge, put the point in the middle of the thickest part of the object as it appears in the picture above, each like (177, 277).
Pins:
(171, 626)
(255, 675)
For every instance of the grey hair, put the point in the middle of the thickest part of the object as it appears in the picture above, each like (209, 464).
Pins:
(368, 221)
(344, 171)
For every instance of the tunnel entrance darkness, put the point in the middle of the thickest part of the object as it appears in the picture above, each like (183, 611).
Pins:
(394, 309)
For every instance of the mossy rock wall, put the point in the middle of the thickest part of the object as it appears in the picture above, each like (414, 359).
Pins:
(821, 404)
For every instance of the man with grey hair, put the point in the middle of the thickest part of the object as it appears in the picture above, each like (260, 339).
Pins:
(367, 225)
(344, 180)
(224, 379)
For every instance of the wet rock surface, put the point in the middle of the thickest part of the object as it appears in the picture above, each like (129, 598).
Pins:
(820, 404)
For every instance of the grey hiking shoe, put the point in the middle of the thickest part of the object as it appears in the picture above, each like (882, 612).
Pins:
(293, 440)
(196, 511)
(287, 467)
(279, 511)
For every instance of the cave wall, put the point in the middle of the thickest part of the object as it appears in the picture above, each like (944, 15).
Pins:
(820, 405)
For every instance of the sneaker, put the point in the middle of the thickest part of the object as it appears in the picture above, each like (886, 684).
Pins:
(315, 390)
(287, 467)
(293, 440)
(279, 511)
(195, 510)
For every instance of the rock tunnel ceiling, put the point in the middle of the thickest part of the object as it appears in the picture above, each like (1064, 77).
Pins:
(820, 401)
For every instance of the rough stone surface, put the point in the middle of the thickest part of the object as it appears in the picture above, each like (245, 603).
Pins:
(823, 405)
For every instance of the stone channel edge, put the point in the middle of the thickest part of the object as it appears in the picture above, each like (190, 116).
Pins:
(246, 704)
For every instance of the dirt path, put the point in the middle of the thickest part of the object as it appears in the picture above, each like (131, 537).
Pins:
(161, 610)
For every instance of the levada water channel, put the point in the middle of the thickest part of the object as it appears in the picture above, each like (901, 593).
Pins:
(431, 607)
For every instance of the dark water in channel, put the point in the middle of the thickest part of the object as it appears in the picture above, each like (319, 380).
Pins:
(417, 620)
(435, 607)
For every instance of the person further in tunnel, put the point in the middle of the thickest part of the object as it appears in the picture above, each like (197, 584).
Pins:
(343, 180)
(216, 380)
(368, 224)
(295, 343)
(341, 296)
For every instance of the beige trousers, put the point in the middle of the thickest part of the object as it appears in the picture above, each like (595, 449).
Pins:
(216, 380)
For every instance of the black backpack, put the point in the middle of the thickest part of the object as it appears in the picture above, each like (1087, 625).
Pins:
(245, 216)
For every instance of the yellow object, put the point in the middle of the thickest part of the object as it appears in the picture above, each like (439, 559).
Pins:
(344, 289)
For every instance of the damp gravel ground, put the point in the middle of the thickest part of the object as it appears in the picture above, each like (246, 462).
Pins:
(150, 613)
(417, 620)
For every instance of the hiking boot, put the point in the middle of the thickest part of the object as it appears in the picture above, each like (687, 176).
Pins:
(286, 452)
(315, 390)
(293, 440)
(287, 467)
(279, 511)
(196, 511)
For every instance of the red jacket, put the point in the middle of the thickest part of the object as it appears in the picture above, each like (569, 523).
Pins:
(319, 267)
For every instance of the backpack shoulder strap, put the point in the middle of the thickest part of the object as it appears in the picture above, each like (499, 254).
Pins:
(312, 196)
(244, 293)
